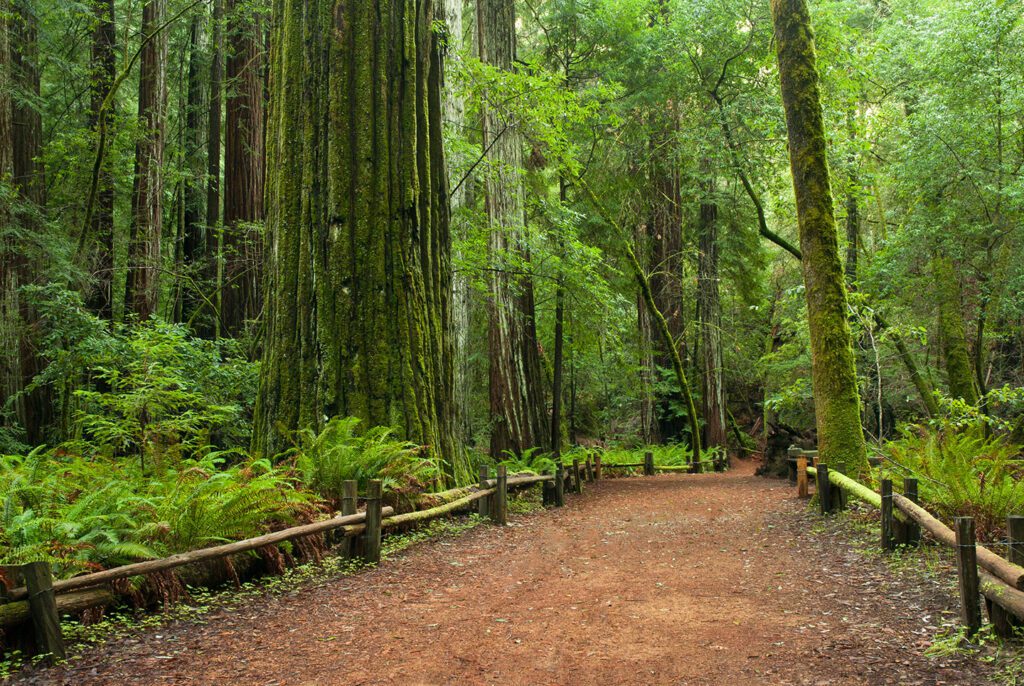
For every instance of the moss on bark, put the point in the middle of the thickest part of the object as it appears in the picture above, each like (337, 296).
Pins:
(836, 398)
(358, 272)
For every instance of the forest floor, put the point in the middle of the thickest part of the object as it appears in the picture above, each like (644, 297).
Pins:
(710, 579)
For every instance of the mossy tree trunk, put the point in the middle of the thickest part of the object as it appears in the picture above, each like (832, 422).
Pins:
(243, 169)
(516, 397)
(142, 288)
(952, 331)
(836, 397)
(358, 308)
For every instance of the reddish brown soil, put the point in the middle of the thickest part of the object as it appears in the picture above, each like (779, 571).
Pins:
(711, 579)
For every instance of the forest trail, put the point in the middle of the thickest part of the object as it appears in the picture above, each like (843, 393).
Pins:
(710, 579)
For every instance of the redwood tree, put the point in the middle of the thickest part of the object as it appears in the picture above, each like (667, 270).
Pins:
(516, 398)
(243, 168)
(358, 310)
(142, 287)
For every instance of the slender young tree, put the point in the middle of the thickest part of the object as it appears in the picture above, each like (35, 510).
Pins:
(834, 377)
(243, 168)
(193, 239)
(358, 310)
(142, 288)
(516, 395)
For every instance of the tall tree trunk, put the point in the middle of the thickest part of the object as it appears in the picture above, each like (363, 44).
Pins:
(243, 169)
(836, 397)
(516, 398)
(648, 370)
(558, 358)
(10, 316)
(358, 318)
(103, 71)
(454, 114)
(142, 290)
(953, 331)
(23, 264)
(709, 307)
(209, 325)
(194, 232)
(665, 266)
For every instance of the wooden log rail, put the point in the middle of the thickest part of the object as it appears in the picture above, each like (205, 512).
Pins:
(1000, 580)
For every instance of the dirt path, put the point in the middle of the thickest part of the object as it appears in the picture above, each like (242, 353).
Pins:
(706, 579)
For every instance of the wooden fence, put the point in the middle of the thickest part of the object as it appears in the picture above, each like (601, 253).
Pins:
(35, 599)
(981, 573)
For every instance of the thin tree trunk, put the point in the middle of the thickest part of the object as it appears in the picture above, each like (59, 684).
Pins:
(142, 290)
(557, 362)
(836, 397)
(209, 325)
(243, 170)
(103, 68)
(516, 399)
(358, 318)
(194, 251)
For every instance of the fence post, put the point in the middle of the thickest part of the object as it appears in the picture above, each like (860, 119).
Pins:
(801, 477)
(590, 470)
(484, 504)
(577, 482)
(824, 489)
(499, 513)
(648, 464)
(792, 454)
(967, 574)
(371, 537)
(910, 530)
(597, 467)
(888, 537)
(43, 606)
(349, 496)
(1015, 538)
(560, 484)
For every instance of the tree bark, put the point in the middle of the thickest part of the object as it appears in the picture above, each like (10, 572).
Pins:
(243, 170)
(21, 255)
(103, 71)
(195, 253)
(709, 307)
(358, 310)
(953, 331)
(142, 290)
(516, 398)
(836, 397)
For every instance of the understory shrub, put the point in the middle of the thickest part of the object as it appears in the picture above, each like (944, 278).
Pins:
(962, 474)
(339, 452)
(84, 514)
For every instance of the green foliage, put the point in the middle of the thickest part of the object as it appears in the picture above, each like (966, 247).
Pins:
(962, 474)
(533, 460)
(85, 514)
(339, 452)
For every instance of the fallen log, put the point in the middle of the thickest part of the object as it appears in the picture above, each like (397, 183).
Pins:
(201, 555)
(12, 614)
(1004, 569)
